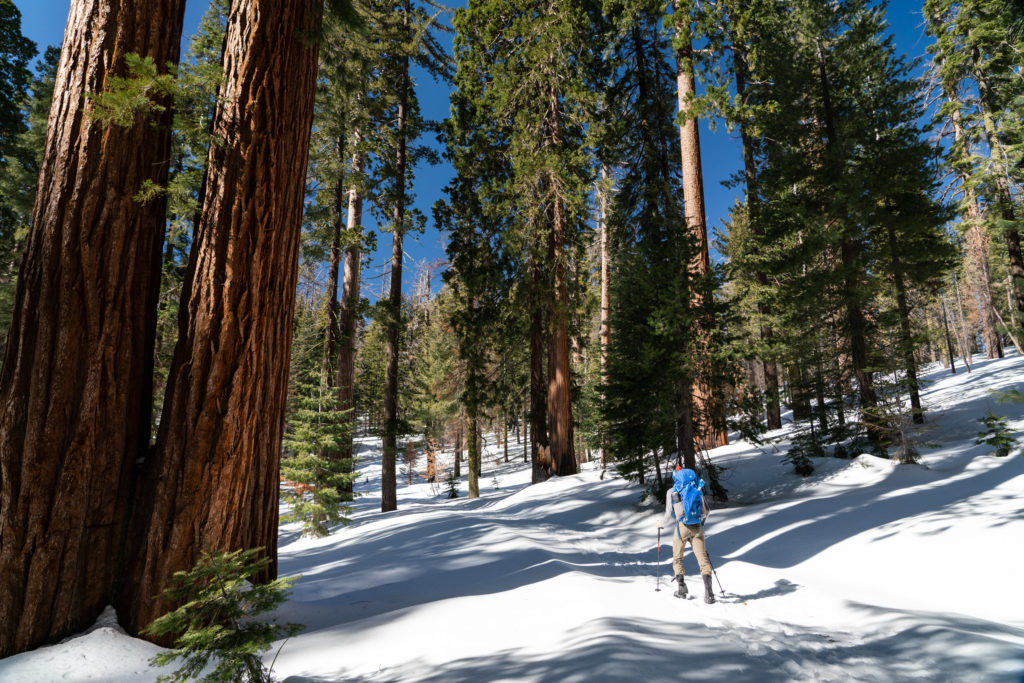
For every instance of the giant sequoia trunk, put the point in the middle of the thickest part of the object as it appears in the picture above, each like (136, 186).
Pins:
(76, 385)
(212, 481)
(709, 423)
(389, 484)
(560, 433)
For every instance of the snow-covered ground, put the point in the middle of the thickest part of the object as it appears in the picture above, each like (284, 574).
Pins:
(863, 571)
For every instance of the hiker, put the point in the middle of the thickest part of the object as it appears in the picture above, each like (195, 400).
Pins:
(684, 503)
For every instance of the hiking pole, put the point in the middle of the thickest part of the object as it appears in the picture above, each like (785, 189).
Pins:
(720, 589)
(657, 585)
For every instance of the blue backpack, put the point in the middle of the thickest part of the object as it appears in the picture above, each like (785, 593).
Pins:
(687, 498)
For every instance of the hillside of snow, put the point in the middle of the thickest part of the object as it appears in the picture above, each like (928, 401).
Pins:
(863, 571)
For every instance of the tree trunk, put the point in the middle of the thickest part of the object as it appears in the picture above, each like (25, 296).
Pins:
(348, 318)
(605, 330)
(504, 441)
(771, 373)
(76, 384)
(949, 342)
(538, 393)
(458, 451)
(906, 340)
(1004, 198)
(474, 452)
(709, 423)
(327, 376)
(563, 456)
(212, 481)
(388, 494)
(977, 250)
(850, 254)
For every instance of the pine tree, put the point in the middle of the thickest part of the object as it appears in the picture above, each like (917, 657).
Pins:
(647, 404)
(315, 425)
(19, 171)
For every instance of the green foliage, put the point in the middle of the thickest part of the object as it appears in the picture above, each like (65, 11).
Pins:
(316, 427)
(143, 93)
(996, 434)
(804, 446)
(217, 624)
(19, 165)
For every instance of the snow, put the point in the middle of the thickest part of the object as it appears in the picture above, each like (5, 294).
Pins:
(863, 571)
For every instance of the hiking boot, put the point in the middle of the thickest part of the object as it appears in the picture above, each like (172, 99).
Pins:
(681, 591)
(709, 594)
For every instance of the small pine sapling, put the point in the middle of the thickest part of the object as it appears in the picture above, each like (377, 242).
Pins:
(803, 447)
(217, 623)
(453, 484)
(996, 434)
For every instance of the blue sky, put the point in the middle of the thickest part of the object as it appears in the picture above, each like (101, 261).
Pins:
(43, 22)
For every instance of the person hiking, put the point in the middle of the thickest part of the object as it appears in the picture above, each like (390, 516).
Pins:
(684, 504)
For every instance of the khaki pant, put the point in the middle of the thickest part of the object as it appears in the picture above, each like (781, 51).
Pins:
(695, 535)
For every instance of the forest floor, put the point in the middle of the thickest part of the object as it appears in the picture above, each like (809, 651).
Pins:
(864, 571)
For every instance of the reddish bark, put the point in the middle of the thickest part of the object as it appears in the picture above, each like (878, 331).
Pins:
(709, 423)
(76, 385)
(212, 483)
(559, 409)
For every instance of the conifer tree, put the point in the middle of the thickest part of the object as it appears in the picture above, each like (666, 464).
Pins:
(647, 404)
(19, 171)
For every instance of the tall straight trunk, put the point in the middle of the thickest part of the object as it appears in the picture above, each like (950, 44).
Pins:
(605, 330)
(328, 377)
(949, 341)
(1004, 198)
(348, 318)
(709, 424)
(458, 451)
(504, 432)
(538, 392)
(76, 383)
(906, 339)
(473, 444)
(771, 373)
(388, 494)
(563, 455)
(850, 254)
(212, 480)
(977, 250)
(961, 338)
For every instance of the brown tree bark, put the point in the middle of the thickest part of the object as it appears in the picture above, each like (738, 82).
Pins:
(709, 423)
(76, 384)
(977, 252)
(906, 340)
(560, 434)
(605, 330)
(349, 316)
(212, 482)
(1004, 198)
(473, 444)
(538, 436)
(389, 494)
